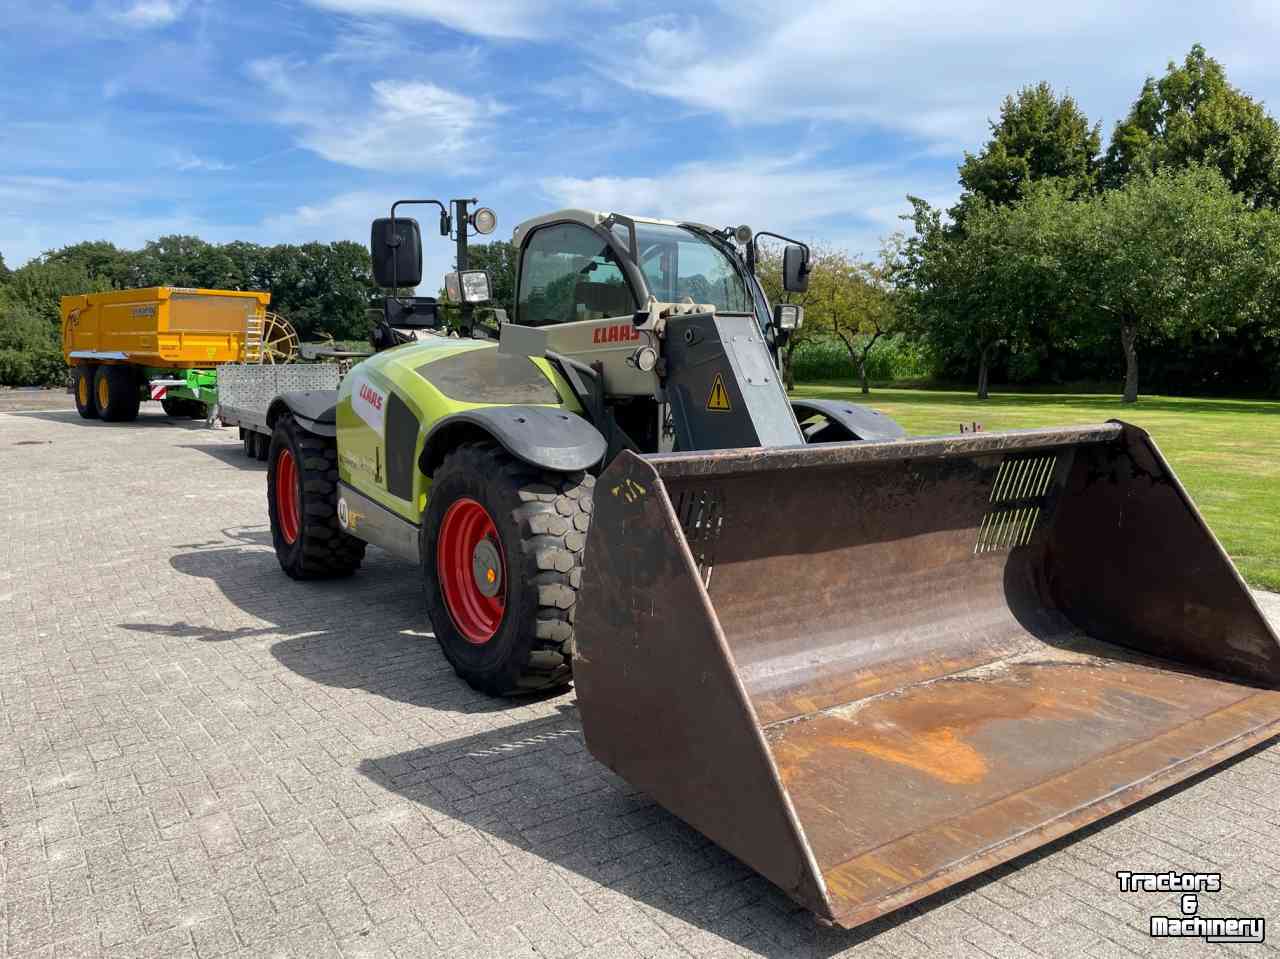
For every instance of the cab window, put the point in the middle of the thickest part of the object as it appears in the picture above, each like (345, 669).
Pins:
(569, 273)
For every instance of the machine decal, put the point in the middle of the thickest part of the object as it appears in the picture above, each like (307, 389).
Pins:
(369, 404)
(619, 333)
(718, 401)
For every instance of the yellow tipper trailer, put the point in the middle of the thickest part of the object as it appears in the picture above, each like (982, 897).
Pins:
(162, 341)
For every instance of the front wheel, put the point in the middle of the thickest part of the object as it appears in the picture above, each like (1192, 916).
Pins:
(501, 549)
(302, 501)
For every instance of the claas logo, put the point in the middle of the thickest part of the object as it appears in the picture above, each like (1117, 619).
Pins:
(371, 396)
(620, 333)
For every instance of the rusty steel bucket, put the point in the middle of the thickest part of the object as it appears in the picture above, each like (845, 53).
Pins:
(871, 670)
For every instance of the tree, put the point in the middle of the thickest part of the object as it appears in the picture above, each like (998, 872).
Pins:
(1192, 115)
(4, 270)
(1039, 136)
(999, 284)
(1172, 255)
(499, 258)
(37, 287)
(857, 305)
(100, 259)
(179, 260)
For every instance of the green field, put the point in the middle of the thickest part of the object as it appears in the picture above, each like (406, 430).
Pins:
(1226, 452)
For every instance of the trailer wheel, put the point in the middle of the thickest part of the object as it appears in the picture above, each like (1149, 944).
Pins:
(501, 548)
(173, 406)
(302, 501)
(115, 390)
(261, 446)
(86, 401)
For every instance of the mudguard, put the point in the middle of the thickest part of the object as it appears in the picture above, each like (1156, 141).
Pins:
(542, 436)
(314, 410)
(862, 422)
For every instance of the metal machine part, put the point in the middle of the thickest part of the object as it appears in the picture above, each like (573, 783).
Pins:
(1023, 660)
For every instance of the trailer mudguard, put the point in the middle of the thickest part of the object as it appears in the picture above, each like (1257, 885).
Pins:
(544, 436)
(315, 410)
(861, 422)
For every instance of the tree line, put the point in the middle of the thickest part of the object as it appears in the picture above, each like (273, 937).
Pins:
(324, 289)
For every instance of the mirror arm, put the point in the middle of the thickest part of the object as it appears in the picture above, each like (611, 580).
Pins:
(394, 239)
(755, 253)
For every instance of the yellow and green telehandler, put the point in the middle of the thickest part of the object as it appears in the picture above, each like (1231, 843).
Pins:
(869, 665)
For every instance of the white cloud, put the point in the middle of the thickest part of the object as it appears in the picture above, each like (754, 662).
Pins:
(852, 206)
(499, 19)
(936, 71)
(401, 126)
(150, 13)
(188, 162)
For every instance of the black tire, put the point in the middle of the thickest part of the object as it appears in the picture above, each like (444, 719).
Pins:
(541, 520)
(262, 446)
(116, 391)
(320, 549)
(198, 411)
(173, 406)
(82, 386)
(249, 443)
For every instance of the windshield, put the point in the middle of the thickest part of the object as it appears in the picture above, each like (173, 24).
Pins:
(678, 263)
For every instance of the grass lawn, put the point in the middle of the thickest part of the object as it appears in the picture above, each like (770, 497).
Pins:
(1226, 452)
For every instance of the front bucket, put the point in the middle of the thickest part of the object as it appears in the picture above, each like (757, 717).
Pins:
(873, 670)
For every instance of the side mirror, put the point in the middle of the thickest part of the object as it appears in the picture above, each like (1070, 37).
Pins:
(795, 268)
(788, 316)
(397, 257)
(469, 286)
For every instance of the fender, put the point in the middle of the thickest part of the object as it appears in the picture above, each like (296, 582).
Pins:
(314, 410)
(544, 436)
(861, 422)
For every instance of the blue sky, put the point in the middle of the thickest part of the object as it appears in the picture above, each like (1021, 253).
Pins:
(296, 120)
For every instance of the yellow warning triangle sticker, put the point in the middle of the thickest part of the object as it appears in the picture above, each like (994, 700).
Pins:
(718, 401)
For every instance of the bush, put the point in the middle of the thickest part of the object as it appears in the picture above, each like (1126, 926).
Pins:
(29, 351)
(894, 358)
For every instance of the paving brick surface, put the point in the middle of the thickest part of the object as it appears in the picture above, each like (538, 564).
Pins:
(200, 757)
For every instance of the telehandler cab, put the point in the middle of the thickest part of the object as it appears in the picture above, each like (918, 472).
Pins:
(868, 665)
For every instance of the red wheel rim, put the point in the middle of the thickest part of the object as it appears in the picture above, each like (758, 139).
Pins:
(287, 511)
(465, 526)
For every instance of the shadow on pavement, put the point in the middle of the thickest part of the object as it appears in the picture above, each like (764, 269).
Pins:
(534, 787)
(145, 420)
(369, 631)
(232, 454)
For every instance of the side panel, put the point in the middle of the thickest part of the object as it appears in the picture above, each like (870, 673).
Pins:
(160, 326)
(722, 385)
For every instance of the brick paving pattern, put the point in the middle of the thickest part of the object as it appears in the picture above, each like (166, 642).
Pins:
(203, 758)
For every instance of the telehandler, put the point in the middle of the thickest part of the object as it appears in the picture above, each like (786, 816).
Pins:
(868, 665)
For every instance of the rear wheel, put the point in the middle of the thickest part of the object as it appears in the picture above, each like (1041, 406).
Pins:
(115, 390)
(261, 446)
(173, 406)
(86, 400)
(302, 501)
(502, 558)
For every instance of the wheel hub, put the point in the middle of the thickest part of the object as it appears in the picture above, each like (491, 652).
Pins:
(471, 568)
(486, 568)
